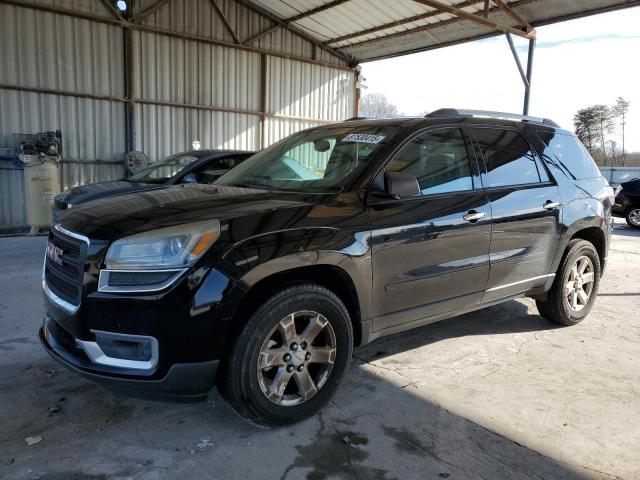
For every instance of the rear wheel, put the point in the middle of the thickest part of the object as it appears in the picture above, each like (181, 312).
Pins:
(633, 217)
(575, 286)
(291, 356)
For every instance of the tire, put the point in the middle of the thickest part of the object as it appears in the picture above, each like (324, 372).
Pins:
(249, 387)
(558, 306)
(632, 216)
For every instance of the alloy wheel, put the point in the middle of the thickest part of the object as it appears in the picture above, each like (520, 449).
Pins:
(579, 283)
(296, 358)
(634, 217)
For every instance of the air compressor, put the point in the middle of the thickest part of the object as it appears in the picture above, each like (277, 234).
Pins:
(40, 155)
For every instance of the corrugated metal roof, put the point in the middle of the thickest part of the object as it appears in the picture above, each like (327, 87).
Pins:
(374, 29)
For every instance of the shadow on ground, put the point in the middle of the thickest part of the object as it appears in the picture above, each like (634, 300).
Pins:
(625, 230)
(374, 429)
(507, 318)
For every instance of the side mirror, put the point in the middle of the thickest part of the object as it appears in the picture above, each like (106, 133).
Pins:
(400, 185)
(189, 178)
(394, 186)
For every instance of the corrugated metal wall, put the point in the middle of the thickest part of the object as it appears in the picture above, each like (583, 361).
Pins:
(12, 196)
(214, 92)
(195, 73)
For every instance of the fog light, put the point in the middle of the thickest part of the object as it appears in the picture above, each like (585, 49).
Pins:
(139, 349)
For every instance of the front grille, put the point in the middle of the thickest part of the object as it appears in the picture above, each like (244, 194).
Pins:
(64, 271)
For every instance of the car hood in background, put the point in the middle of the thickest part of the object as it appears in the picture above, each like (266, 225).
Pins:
(123, 215)
(94, 191)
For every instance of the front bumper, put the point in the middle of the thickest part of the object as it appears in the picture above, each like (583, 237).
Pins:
(618, 210)
(163, 345)
(182, 382)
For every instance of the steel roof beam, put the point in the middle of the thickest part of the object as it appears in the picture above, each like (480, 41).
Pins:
(428, 27)
(485, 10)
(287, 26)
(109, 6)
(170, 33)
(316, 10)
(62, 11)
(509, 11)
(261, 34)
(458, 12)
(138, 17)
(222, 43)
(397, 23)
(295, 18)
(224, 19)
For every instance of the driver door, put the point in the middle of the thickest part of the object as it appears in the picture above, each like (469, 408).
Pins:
(430, 252)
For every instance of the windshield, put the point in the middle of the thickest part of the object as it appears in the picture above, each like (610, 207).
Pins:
(320, 160)
(163, 170)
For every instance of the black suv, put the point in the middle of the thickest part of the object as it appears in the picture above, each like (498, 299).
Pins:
(264, 282)
(627, 203)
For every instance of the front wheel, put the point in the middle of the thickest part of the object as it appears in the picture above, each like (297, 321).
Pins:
(633, 217)
(574, 289)
(291, 356)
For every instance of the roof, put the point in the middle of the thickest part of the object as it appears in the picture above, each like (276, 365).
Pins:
(367, 30)
(450, 116)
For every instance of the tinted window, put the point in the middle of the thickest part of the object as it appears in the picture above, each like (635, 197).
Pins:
(438, 159)
(215, 168)
(508, 157)
(160, 172)
(570, 152)
(320, 159)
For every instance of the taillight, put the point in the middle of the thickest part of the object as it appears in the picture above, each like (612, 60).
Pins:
(611, 194)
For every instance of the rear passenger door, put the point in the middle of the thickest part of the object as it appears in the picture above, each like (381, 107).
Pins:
(525, 209)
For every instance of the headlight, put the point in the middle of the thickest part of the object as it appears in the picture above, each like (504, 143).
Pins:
(618, 190)
(171, 247)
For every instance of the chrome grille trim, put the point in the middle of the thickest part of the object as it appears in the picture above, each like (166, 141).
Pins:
(59, 302)
(71, 234)
(103, 281)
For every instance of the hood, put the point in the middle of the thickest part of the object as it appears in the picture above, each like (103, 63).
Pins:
(94, 191)
(123, 215)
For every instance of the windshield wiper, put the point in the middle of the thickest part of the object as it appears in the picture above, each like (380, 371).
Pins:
(259, 186)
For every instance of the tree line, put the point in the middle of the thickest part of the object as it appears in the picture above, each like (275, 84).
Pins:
(599, 127)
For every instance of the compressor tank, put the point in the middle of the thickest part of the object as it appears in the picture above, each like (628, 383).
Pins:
(41, 184)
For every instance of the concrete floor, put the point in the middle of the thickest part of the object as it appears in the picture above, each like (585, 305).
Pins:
(499, 393)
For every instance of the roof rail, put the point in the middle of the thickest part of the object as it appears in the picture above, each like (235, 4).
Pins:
(454, 112)
(355, 118)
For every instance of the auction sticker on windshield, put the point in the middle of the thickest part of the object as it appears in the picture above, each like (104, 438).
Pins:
(363, 138)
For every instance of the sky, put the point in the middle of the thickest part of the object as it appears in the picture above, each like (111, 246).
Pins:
(577, 63)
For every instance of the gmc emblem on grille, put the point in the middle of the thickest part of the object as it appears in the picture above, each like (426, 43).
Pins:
(54, 253)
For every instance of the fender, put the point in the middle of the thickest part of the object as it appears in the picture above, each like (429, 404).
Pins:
(579, 214)
(256, 258)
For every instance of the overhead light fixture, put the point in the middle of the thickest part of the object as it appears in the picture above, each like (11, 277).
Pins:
(122, 5)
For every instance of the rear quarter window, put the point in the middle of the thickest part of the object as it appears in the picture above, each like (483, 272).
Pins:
(508, 157)
(570, 152)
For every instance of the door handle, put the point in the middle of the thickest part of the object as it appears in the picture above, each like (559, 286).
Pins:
(473, 216)
(549, 205)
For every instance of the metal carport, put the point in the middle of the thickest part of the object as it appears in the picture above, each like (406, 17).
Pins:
(367, 30)
(232, 73)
